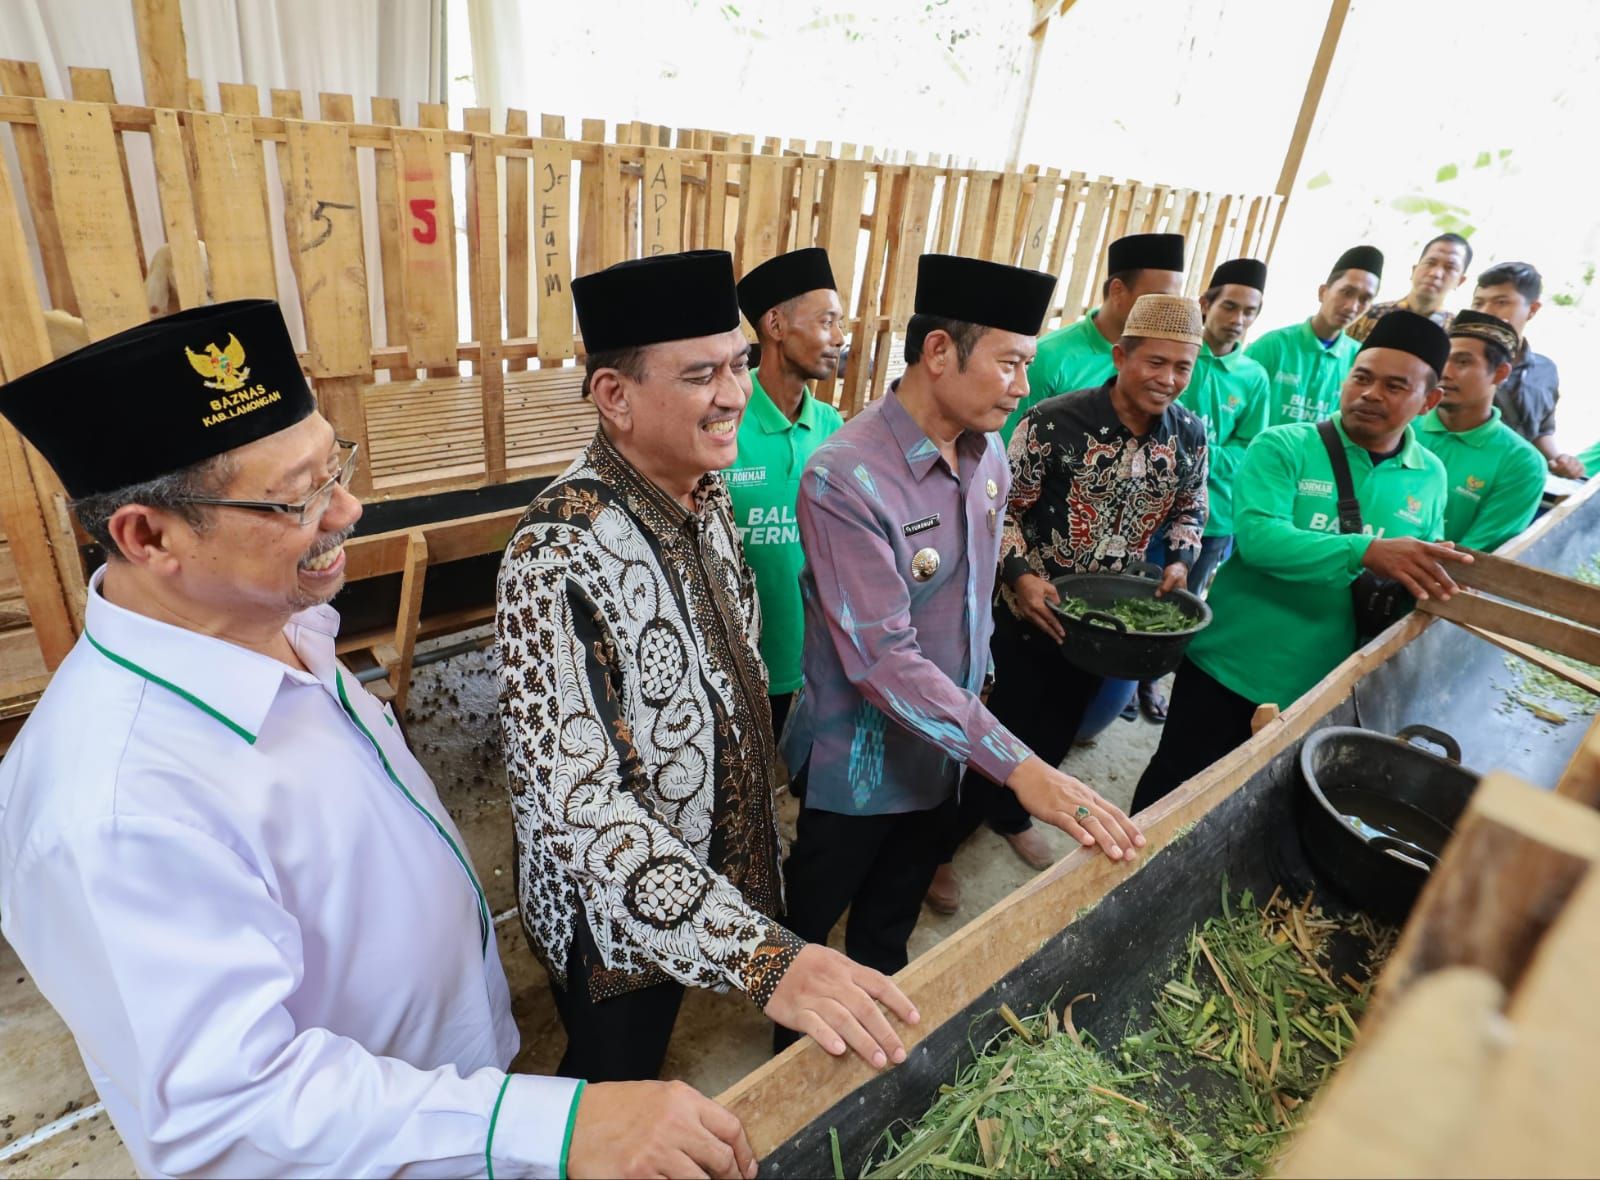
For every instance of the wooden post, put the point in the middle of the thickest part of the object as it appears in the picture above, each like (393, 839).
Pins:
(1337, 11)
(163, 54)
(1030, 77)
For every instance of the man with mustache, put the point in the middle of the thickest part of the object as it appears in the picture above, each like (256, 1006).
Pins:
(900, 518)
(1441, 269)
(634, 702)
(218, 860)
(1495, 476)
(1283, 614)
(791, 303)
(1306, 362)
(1079, 355)
(1097, 475)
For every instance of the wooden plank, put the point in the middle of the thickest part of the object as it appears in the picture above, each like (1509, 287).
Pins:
(552, 178)
(1036, 229)
(840, 234)
(1515, 622)
(857, 371)
(286, 104)
(163, 54)
(716, 213)
(553, 126)
(1220, 234)
(1000, 237)
(977, 213)
(1580, 780)
(483, 235)
(759, 213)
(177, 210)
(231, 195)
(807, 203)
(1196, 244)
(95, 86)
(92, 211)
(1087, 251)
(1318, 78)
(23, 78)
(1534, 655)
(661, 203)
(1554, 593)
(427, 268)
(238, 98)
(412, 578)
(613, 210)
(391, 243)
(197, 94)
(326, 212)
(907, 244)
(590, 202)
(1252, 229)
(1138, 210)
(24, 346)
(1540, 844)
(519, 283)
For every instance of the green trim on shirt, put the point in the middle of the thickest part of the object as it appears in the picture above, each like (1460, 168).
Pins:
(572, 1121)
(485, 923)
(171, 687)
(494, 1117)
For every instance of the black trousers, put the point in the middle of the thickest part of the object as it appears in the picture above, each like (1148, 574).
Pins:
(621, 1039)
(1039, 697)
(876, 866)
(1205, 720)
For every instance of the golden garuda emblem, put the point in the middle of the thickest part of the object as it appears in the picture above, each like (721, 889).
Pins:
(223, 368)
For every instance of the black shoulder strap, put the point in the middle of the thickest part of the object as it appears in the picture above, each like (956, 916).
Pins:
(1349, 508)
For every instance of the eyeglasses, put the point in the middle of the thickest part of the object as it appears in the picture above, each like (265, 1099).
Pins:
(309, 511)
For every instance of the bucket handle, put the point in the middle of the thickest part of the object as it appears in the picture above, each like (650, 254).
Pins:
(1102, 618)
(1140, 568)
(1390, 847)
(1437, 737)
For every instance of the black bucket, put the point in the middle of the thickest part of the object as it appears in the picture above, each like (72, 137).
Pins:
(1377, 810)
(1102, 644)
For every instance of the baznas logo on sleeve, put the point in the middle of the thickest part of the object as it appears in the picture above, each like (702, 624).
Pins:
(224, 367)
(1474, 484)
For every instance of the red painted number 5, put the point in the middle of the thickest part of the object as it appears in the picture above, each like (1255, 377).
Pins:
(428, 228)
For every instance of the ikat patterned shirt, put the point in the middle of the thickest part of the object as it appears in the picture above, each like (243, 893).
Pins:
(633, 705)
(1087, 494)
(900, 568)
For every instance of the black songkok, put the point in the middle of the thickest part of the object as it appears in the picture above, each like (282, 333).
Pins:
(652, 300)
(1145, 252)
(1367, 258)
(782, 278)
(1011, 298)
(1247, 272)
(162, 396)
(1407, 331)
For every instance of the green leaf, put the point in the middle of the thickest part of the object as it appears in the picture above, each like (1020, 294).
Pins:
(1503, 153)
(1448, 172)
(1483, 160)
(1411, 203)
(1320, 180)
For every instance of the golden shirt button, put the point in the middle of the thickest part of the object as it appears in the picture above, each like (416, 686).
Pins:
(992, 488)
(924, 564)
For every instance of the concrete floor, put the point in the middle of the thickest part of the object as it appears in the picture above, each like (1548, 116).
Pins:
(452, 725)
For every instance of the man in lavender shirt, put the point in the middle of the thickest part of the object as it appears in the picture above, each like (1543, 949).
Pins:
(900, 514)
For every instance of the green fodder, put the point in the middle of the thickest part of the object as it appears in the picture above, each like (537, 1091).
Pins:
(1152, 616)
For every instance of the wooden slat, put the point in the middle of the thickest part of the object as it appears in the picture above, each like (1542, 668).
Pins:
(197, 94)
(716, 213)
(806, 204)
(177, 210)
(483, 228)
(326, 211)
(590, 202)
(1000, 238)
(1580, 781)
(1036, 229)
(552, 182)
(163, 54)
(613, 208)
(412, 578)
(239, 98)
(24, 346)
(96, 86)
(1503, 618)
(23, 78)
(857, 371)
(386, 178)
(1087, 251)
(427, 272)
(841, 233)
(759, 213)
(92, 211)
(977, 209)
(518, 240)
(661, 203)
(231, 194)
(908, 242)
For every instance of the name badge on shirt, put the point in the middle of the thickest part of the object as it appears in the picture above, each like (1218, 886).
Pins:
(920, 526)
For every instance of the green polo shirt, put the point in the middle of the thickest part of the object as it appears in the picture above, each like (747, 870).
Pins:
(1074, 357)
(1305, 374)
(763, 484)
(1495, 479)
(1591, 460)
(1229, 394)
(1281, 604)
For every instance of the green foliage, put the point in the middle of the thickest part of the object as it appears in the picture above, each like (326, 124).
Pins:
(1320, 180)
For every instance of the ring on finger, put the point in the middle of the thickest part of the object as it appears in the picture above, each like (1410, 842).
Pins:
(1082, 812)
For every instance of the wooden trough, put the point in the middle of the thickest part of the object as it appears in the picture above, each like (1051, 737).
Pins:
(1088, 925)
(459, 368)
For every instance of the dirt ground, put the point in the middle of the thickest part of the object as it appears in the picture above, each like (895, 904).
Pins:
(719, 1038)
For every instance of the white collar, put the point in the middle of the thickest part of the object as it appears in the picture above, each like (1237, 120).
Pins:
(231, 683)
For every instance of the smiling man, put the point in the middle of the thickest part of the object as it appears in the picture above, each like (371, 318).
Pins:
(218, 860)
(900, 515)
(791, 303)
(1283, 612)
(634, 702)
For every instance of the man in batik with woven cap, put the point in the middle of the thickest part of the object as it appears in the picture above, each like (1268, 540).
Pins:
(634, 702)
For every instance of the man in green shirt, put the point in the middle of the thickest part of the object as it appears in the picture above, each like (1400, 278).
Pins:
(1079, 355)
(791, 303)
(1307, 362)
(1495, 476)
(1283, 613)
(1441, 269)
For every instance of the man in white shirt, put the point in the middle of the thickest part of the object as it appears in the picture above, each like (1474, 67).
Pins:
(218, 859)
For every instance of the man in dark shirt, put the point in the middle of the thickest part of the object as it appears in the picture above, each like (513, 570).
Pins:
(1527, 399)
(1096, 474)
(1441, 269)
